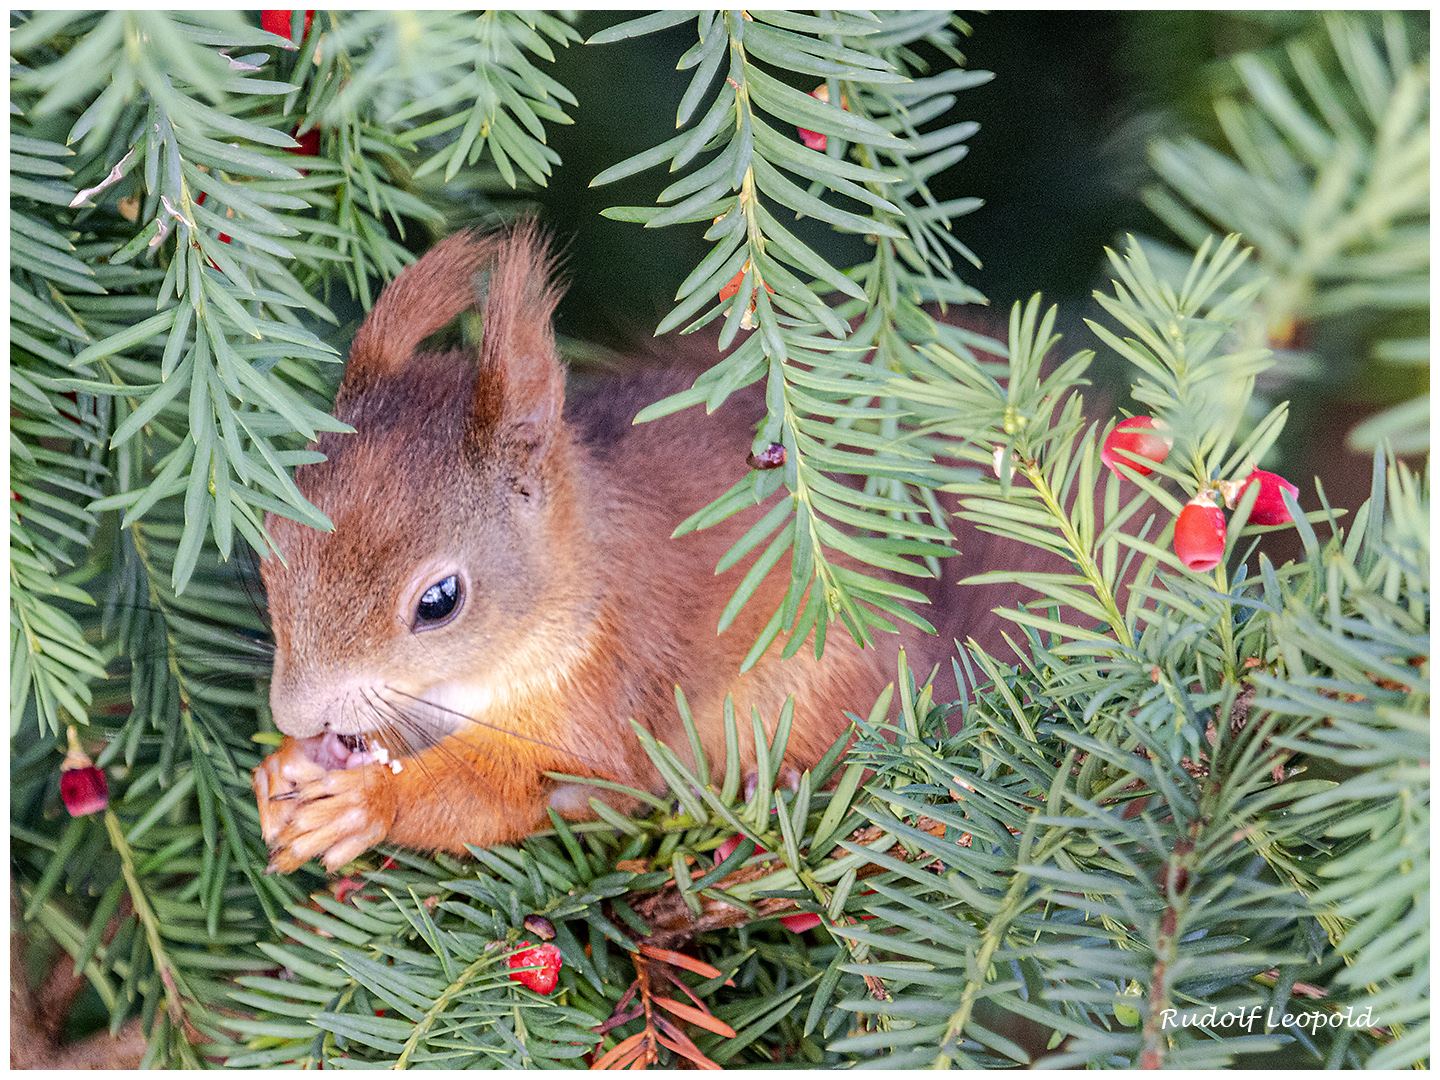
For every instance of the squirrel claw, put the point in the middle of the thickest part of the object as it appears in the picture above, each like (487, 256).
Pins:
(334, 814)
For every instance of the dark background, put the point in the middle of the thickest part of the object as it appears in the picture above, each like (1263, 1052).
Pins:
(1059, 160)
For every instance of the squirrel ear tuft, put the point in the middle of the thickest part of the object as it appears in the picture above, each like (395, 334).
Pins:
(422, 299)
(521, 387)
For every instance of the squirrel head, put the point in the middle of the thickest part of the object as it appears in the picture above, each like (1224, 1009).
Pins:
(451, 578)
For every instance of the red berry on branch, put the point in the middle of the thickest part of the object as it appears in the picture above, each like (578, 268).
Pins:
(84, 790)
(309, 142)
(82, 784)
(278, 22)
(808, 920)
(731, 287)
(1140, 435)
(224, 238)
(800, 921)
(1269, 508)
(813, 139)
(309, 145)
(547, 957)
(345, 886)
(1200, 534)
(724, 851)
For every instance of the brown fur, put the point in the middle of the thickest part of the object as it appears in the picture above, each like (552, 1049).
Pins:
(580, 611)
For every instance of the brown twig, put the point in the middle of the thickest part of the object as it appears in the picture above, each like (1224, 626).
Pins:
(653, 965)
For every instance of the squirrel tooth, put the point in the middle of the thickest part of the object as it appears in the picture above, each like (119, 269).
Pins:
(395, 767)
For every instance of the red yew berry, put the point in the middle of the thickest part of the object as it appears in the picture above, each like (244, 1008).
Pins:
(813, 139)
(278, 22)
(224, 237)
(309, 142)
(82, 784)
(800, 921)
(345, 886)
(1200, 534)
(84, 790)
(1140, 435)
(1269, 508)
(724, 850)
(309, 145)
(545, 957)
(808, 920)
(731, 287)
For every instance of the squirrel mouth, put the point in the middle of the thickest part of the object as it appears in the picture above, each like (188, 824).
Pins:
(332, 751)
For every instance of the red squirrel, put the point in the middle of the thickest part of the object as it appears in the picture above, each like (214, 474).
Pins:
(500, 593)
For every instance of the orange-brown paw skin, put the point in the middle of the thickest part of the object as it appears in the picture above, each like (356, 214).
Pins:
(275, 782)
(307, 811)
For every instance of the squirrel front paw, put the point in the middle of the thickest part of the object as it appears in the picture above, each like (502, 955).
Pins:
(307, 810)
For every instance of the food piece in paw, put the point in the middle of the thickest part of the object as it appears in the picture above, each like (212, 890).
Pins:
(364, 750)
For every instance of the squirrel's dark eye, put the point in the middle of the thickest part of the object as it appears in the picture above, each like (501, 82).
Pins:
(438, 602)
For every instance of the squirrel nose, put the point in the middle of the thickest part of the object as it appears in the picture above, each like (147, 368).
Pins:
(303, 709)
